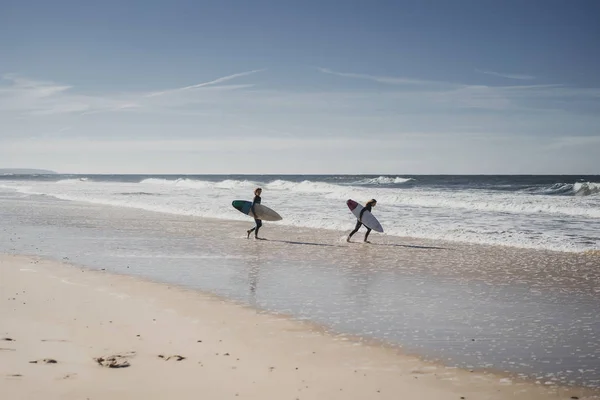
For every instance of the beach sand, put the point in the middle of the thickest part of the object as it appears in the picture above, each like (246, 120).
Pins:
(55, 311)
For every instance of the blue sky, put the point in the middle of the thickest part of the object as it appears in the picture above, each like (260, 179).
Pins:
(385, 87)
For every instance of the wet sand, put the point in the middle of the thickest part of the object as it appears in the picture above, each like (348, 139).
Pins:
(177, 343)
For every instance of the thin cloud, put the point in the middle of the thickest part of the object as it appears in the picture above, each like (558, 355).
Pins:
(120, 107)
(241, 144)
(382, 79)
(521, 77)
(44, 98)
(32, 88)
(21, 97)
(204, 84)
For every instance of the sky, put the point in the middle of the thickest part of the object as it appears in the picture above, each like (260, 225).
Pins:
(301, 87)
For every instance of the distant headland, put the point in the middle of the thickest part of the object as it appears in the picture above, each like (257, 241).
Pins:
(25, 171)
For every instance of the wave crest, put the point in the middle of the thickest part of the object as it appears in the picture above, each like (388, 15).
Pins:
(586, 188)
(196, 184)
(72, 181)
(303, 187)
(573, 189)
(384, 180)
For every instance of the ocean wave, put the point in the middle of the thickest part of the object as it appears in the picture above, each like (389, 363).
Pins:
(304, 186)
(197, 184)
(586, 188)
(523, 204)
(557, 188)
(138, 194)
(182, 182)
(234, 184)
(573, 189)
(71, 181)
(383, 180)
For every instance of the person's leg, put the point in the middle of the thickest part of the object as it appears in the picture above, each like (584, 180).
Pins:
(367, 235)
(249, 231)
(356, 228)
(258, 225)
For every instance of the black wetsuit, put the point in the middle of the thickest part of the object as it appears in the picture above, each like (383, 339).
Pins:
(359, 224)
(257, 221)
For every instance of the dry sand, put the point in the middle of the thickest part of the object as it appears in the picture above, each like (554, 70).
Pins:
(74, 316)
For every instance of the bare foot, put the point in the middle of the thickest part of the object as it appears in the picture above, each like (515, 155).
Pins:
(366, 241)
(248, 232)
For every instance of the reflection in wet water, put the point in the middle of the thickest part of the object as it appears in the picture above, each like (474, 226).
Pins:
(529, 312)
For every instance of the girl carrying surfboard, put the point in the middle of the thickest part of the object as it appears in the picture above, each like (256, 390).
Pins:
(258, 222)
(370, 204)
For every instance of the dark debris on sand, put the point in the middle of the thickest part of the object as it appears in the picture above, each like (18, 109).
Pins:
(44, 361)
(115, 361)
(175, 357)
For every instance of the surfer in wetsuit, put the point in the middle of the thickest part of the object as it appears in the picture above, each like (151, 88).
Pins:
(258, 222)
(370, 204)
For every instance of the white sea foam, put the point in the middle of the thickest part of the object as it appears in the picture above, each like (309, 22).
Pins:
(181, 182)
(576, 189)
(304, 186)
(234, 184)
(198, 184)
(586, 188)
(71, 181)
(514, 218)
(384, 180)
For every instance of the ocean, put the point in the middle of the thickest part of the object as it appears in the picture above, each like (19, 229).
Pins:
(559, 213)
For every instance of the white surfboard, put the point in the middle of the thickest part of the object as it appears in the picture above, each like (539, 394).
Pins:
(368, 219)
(265, 213)
(262, 212)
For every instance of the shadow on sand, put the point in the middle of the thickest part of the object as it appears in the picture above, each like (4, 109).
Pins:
(411, 246)
(303, 243)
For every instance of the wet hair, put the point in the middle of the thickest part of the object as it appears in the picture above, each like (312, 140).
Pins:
(257, 190)
(371, 202)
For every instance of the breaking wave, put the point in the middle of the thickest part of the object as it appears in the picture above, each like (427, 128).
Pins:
(384, 180)
(573, 189)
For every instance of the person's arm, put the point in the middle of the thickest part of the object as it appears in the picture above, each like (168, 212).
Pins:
(361, 213)
(252, 208)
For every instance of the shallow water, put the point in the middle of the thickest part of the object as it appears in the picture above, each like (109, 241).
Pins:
(529, 312)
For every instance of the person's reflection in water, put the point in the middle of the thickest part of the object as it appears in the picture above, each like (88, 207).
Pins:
(253, 263)
(253, 281)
